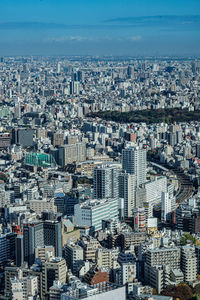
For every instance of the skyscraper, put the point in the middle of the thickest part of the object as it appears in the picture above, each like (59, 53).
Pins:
(166, 206)
(105, 182)
(127, 186)
(46, 233)
(134, 161)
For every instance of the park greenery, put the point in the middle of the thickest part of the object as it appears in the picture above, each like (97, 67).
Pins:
(149, 116)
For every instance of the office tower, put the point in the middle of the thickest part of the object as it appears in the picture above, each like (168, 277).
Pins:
(23, 137)
(71, 139)
(18, 189)
(53, 269)
(59, 201)
(74, 257)
(130, 71)
(196, 66)
(166, 208)
(80, 76)
(139, 217)
(92, 212)
(3, 248)
(40, 234)
(105, 182)
(172, 138)
(19, 251)
(134, 162)
(17, 110)
(127, 187)
(189, 263)
(74, 88)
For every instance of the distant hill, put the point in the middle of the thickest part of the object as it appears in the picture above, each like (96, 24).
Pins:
(149, 116)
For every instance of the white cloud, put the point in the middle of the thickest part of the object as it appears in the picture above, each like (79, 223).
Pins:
(135, 38)
(63, 39)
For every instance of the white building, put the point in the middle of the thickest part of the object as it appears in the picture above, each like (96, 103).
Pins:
(165, 207)
(189, 263)
(127, 273)
(92, 212)
(24, 287)
(73, 257)
(127, 186)
(154, 190)
(134, 161)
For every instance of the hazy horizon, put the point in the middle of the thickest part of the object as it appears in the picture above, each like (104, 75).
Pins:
(128, 28)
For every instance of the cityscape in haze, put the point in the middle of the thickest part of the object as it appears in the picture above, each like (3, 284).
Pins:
(100, 150)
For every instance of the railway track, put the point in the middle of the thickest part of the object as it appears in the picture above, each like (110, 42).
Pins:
(186, 187)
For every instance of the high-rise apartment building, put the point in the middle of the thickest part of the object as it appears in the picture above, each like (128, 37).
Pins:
(127, 188)
(105, 182)
(73, 257)
(134, 161)
(189, 263)
(165, 207)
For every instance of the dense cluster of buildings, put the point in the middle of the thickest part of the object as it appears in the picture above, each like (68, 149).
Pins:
(90, 208)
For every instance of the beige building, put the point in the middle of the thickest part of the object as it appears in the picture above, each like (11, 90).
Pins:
(71, 153)
(41, 252)
(23, 287)
(90, 247)
(38, 206)
(107, 258)
(53, 269)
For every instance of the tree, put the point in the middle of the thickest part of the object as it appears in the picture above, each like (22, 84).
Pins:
(182, 292)
(196, 289)
(187, 237)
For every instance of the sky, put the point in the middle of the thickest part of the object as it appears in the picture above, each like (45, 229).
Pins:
(100, 27)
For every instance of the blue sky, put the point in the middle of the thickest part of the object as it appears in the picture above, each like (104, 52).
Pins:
(129, 27)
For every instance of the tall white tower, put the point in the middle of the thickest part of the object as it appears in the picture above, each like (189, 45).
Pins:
(127, 186)
(165, 206)
(134, 161)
